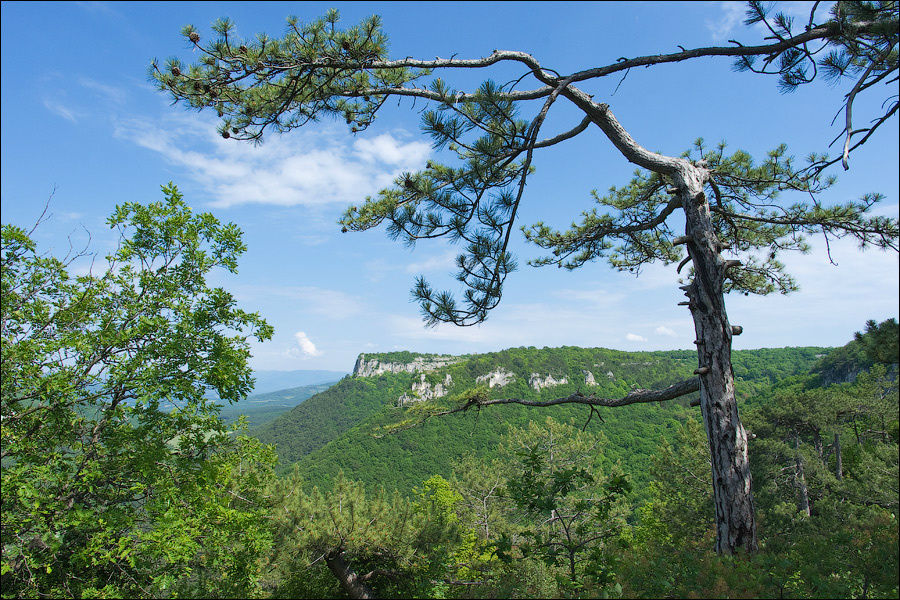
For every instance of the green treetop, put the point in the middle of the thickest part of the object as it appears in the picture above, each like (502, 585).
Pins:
(112, 452)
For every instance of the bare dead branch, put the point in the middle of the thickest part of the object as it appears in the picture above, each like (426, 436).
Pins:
(675, 390)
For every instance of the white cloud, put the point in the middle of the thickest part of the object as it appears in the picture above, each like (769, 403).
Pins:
(304, 168)
(729, 14)
(832, 299)
(334, 304)
(663, 330)
(443, 263)
(389, 150)
(633, 337)
(110, 92)
(305, 346)
(61, 111)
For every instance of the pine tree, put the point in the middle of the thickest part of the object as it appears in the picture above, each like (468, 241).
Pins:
(728, 201)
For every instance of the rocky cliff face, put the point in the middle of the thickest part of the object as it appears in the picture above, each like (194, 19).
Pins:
(497, 378)
(538, 383)
(423, 390)
(421, 364)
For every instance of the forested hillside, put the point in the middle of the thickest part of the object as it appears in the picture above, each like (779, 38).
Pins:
(108, 491)
(260, 409)
(351, 426)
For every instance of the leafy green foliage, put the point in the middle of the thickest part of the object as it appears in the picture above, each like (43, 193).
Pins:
(260, 409)
(393, 544)
(101, 486)
(825, 471)
(576, 512)
(881, 341)
(349, 427)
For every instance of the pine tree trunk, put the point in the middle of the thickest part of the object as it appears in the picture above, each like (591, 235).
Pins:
(347, 577)
(800, 478)
(735, 515)
(839, 466)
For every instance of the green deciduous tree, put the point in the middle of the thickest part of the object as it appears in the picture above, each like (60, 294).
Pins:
(118, 476)
(728, 201)
(575, 513)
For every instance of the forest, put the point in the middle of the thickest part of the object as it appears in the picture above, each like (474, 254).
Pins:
(107, 493)
(136, 463)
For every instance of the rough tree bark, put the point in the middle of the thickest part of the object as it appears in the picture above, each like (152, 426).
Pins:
(839, 463)
(735, 515)
(800, 478)
(347, 577)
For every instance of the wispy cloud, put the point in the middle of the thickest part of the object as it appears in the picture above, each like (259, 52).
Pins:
(663, 330)
(305, 168)
(305, 348)
(596, 298)
(330, 303)
(110, 92)
(633, 337)
(726, 15)
(62, 111)
(832, 299)
(413, 329)
(444, 263)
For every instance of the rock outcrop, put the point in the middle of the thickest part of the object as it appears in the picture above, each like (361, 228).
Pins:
(421, 364)
(423, 390)
(538, 383)
(497, 378)
(588, 377)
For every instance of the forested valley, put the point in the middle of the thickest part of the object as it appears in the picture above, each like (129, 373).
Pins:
(108, 492)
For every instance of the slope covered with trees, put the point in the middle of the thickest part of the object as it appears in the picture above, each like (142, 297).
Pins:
(550, 510)
(107, 493)
(358, 427)
(260, 409)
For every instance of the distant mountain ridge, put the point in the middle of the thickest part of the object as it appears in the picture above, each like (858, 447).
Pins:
(262, 408)
(350, 426)
(273, 381)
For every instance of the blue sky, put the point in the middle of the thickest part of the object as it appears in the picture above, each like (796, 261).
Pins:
(79, 115)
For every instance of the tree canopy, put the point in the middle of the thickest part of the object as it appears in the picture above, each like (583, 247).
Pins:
(115, 463)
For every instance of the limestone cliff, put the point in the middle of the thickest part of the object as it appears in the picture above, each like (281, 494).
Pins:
(497, 378)
(423, 390)
(421, 364)
(538, 383)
